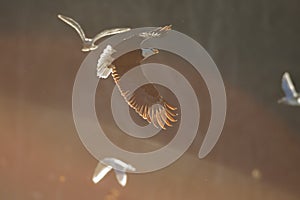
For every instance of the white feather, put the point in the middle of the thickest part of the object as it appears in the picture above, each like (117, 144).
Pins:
(105, 60)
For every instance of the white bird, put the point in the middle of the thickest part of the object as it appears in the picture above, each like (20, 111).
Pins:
(120, 169)
(158, 32)
(89, 43)
(292, 97)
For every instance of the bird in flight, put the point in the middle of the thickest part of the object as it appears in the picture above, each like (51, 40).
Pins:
(146, 100)
(120, 168)
(292, 97)
(158, 32)
(89, 43)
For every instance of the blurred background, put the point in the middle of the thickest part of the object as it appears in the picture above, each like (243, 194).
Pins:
(252, 42)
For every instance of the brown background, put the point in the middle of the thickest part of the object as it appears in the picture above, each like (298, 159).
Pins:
(252, 43)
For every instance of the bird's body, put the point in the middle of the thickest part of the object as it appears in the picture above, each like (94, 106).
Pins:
(145, 100)
(120, 168)
(292, 97)
(88, 44)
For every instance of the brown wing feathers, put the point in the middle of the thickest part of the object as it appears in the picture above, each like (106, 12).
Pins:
(147, 102)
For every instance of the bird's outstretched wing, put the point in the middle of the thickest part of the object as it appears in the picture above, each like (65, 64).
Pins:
(121, 177)
(110, 32)
(140, 38)
(73, 24)
(146, 101)
(100, 171)
(288, 86)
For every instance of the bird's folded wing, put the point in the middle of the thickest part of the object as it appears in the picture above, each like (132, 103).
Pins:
(288, 86)
(100, 171)
(147, 102)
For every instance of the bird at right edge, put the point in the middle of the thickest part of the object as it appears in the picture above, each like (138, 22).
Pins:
(292, 97)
